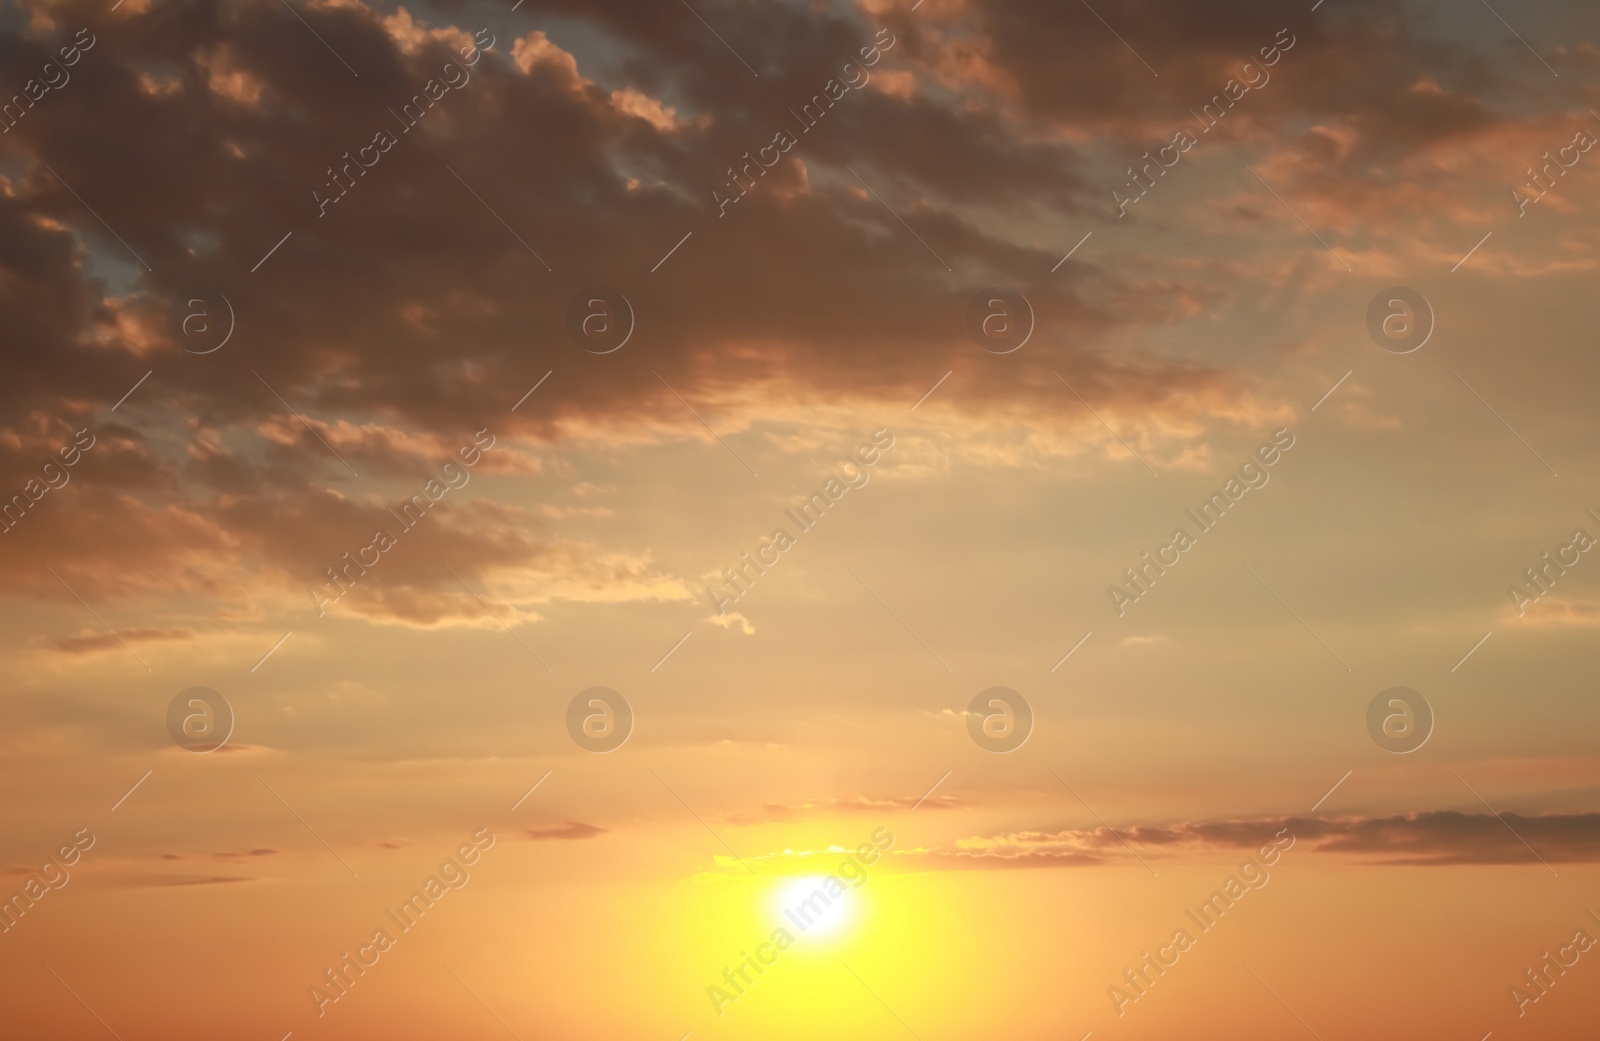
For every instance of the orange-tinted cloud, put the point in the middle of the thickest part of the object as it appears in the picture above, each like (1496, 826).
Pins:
(1424, 838)
(567, 830)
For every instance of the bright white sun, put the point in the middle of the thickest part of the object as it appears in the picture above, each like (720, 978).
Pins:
(815, 906)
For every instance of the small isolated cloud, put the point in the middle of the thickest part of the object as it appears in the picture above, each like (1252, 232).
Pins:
(731, 619)
(566, 830)
(854, 804)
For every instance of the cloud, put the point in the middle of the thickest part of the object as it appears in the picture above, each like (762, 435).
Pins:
(1551, 611)
(270, 548)
(856, 804)
(566, 830)
(1427, 838)
(221, 474)
(443, 349)
(730, 619)
(1153, 640)
(88, 641)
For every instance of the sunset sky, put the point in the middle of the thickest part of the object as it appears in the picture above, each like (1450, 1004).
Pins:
(614, 471)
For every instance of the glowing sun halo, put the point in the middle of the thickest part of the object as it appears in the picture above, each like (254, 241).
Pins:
(815, 906)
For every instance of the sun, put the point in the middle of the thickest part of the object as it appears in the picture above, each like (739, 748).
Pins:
(816, 906)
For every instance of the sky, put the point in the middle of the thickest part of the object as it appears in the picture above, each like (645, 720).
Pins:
(858, 518)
